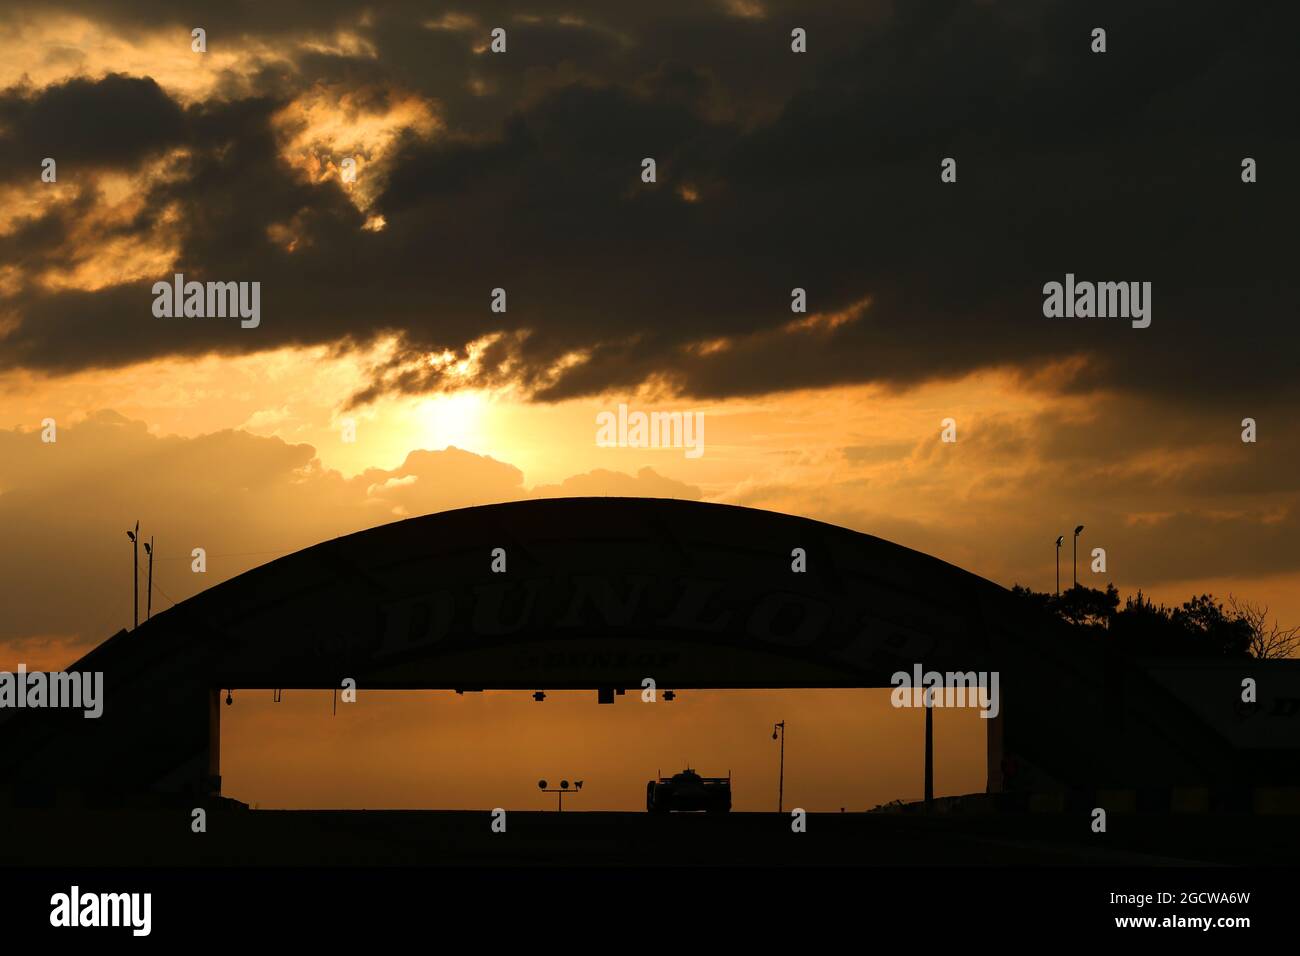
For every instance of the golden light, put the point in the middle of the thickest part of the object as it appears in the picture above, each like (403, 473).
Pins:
(451, 419)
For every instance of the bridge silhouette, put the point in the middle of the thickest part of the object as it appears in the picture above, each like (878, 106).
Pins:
(603, 593)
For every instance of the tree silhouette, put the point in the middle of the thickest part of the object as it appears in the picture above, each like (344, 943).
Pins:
(1268, 640)
(1201, 626)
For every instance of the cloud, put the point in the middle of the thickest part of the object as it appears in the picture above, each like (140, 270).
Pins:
(1120, 166)
(647, 483)
(244, 499)
(115, 123)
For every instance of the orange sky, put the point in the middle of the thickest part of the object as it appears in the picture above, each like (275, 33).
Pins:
(201, 455)
(236, 444)
(399, 750)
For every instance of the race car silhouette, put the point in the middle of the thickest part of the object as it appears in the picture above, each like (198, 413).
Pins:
(689, 791)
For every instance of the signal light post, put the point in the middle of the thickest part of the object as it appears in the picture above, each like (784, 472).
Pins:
(559, 791)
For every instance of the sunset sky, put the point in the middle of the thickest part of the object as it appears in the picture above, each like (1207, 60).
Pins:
(522, 170)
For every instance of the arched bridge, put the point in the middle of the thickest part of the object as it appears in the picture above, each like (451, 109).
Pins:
(592, 593)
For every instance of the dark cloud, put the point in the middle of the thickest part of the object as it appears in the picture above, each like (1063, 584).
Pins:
(114, 122)
(818, 172)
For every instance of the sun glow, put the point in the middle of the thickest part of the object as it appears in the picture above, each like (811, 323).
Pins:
(452, 419)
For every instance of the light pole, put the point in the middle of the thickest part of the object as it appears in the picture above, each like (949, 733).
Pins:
(929, 752)
(780, 793)
(559, 791)
(1076, 555)
(148, 594)
(1059, 539)
(135, 576)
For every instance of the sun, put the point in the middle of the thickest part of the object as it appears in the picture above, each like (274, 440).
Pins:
(455, 418)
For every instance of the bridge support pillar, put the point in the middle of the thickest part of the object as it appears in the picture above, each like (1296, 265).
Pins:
(211, 783)
(995, 768)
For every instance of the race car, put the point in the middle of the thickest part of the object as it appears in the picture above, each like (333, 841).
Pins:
(689, 791)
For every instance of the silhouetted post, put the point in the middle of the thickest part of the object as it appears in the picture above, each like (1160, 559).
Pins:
(780, 793)
(135, 574)
(148, 594)
(929, 754)
(559, 792)
(1059, 539)
(1076, 555)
